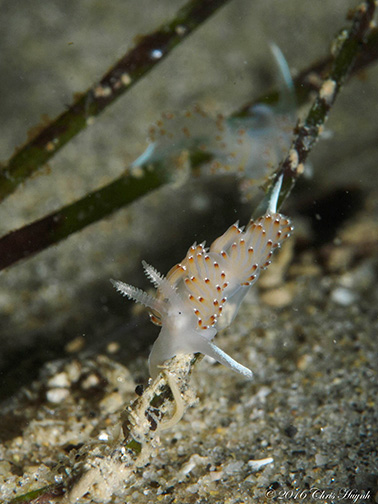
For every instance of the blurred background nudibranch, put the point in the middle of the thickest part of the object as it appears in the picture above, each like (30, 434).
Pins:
(249, 147)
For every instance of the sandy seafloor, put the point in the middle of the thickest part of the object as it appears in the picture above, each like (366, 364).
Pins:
(72, 351)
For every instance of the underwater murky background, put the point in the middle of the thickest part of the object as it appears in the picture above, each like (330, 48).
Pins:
(309, 335)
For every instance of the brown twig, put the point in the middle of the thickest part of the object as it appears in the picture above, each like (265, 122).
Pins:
(149, 51)
(49, 230)
(56, 226)
(350, 44)
(311, 78)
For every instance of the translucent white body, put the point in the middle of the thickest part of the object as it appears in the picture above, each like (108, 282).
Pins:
(251, 147)
(202, 294)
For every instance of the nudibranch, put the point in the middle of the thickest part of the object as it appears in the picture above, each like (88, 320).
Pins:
(249, 147)
(202, 294)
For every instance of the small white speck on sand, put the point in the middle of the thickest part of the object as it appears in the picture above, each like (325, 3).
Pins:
(343, 296)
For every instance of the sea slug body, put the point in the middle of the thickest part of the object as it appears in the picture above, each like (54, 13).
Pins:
(249, 147)
(202, 294)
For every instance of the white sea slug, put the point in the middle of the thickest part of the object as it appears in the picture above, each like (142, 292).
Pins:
(202, 294)
(250, 147)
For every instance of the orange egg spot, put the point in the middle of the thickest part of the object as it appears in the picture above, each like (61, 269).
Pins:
(186, 132)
